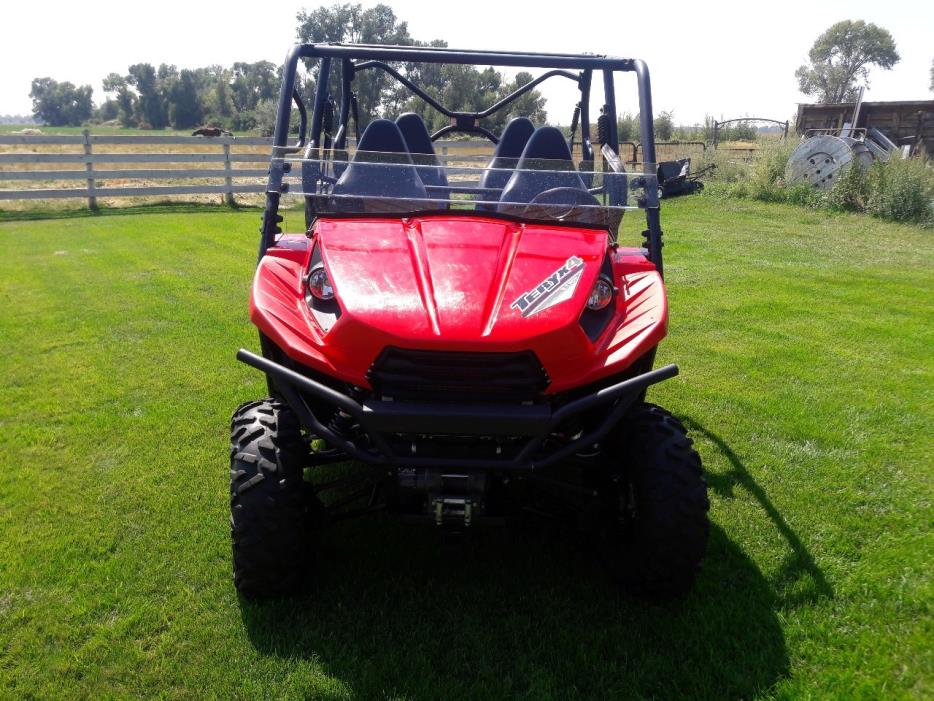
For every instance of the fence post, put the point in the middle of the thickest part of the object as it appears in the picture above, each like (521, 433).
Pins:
(89, 169)
(228, 181)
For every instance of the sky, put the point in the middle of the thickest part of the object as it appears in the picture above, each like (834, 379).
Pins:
(726, 59)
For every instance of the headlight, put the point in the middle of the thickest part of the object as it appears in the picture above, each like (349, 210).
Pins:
(601, 294)
(319, 284)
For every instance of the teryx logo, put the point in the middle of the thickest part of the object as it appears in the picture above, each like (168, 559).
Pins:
(555, 288)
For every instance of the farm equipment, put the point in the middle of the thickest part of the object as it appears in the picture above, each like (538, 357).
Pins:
(824, 155)
(675, 178)
(470, 338)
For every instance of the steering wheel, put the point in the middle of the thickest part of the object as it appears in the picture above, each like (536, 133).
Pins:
(559, 196)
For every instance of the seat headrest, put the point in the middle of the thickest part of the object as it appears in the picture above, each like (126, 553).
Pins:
(547, 143)
(389, 174)
(415, 133)
(546, 163)
(419, 143)
(382, 135)
(514, 138)
(511, 143)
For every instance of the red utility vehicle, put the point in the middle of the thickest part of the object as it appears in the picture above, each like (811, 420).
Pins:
(467, 332)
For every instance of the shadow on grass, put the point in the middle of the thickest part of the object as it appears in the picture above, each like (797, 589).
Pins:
(800, 580)
(519, 615)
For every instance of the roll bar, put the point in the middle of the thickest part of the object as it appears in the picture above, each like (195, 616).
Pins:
(375, 56)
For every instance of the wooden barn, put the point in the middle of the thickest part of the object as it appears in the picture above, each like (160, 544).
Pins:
(909, 122)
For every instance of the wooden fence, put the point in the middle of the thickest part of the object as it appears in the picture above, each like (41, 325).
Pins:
(91, 159)
(93, 166)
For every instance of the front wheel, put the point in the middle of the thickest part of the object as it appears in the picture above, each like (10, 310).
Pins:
(655, 533)
(273, 511)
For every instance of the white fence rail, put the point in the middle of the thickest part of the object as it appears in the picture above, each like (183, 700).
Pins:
(93, 165)
(92, 175)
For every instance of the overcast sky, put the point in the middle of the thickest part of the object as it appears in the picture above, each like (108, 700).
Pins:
(722, 58)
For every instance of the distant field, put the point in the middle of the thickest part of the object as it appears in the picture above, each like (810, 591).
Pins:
(807, 379)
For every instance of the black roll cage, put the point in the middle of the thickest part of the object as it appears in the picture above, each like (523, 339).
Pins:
(357, 57)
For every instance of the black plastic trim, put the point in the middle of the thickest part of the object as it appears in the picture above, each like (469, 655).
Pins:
(291, 384)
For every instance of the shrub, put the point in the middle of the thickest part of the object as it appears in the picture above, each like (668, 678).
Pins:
(851, 192)
(767, 172)
(902, 190)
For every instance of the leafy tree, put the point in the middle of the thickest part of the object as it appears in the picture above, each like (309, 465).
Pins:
(531, 104)
(467, 89)
(185, 107)
(109, 110)
(151, 112)
(251, 84)
(60, 104)
(743, 131)
(428, 76)
(215, 95)
(457, 87)
(125, 98)
(264, 117)
(351, 23)
(627, 126)
(166, 80)
(664, 126)
(223, 100)
(841, 57)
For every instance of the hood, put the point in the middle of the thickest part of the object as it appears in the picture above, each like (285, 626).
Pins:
(461, 279)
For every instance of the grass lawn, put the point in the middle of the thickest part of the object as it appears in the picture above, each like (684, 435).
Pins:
(805, 343)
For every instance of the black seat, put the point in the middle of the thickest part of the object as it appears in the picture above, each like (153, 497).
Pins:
(381, 167)
(423, 154)
(511, 143)
(546, 163)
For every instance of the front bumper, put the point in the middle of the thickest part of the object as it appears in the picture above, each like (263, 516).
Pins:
(379, 419)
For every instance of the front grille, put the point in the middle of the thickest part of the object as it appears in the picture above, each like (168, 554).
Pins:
(457, 377)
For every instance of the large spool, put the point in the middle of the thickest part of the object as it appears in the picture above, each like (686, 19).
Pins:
(861, 153)
(821, 161)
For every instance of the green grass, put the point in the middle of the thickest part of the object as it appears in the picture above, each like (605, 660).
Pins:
(805, 343)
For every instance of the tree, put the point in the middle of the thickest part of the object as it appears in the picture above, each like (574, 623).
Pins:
(664, 126)
(252, 83)
(185, 107)
(61, 104)
(167, 78)
(457, 87)
(627, 127)
(109, 110)
(531, 104)
(743, 131)
(151, 111)
(215, 95)
(841, 57)
(118, 86)
(351, 23)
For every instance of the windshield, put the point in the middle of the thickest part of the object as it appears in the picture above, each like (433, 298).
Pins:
(400, 183)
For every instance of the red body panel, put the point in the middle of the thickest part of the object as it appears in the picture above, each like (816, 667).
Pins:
(449, 283)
